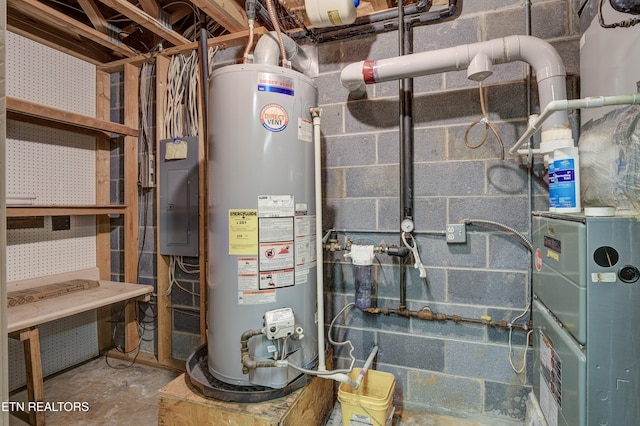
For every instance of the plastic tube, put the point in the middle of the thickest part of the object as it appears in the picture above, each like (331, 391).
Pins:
(339, 377)
(365, 368)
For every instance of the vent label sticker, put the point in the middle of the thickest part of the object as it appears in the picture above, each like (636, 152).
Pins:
(274, 118)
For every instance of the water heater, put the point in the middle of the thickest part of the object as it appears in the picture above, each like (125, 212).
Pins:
(261, 219)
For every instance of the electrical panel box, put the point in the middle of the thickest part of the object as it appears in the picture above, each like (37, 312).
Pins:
(179, 182)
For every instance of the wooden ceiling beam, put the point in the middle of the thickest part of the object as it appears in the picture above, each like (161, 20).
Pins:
(227, 13)
(94, 15)
(180, 13)
(50, 16)
(223, 42)
(151, 7)
(147, 21)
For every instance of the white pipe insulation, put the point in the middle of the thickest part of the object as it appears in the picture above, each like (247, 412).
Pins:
(544, 59)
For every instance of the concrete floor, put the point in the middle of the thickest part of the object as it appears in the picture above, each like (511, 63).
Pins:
(115, 396)
(128, 395)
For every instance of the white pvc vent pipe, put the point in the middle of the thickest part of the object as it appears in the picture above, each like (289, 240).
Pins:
(563, 105)
(544, 59)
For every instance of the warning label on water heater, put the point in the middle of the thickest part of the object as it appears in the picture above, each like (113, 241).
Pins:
(274, 118)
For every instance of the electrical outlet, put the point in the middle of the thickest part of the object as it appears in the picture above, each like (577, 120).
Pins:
(456, 233)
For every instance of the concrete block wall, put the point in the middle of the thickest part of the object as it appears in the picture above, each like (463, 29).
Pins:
(458, 369)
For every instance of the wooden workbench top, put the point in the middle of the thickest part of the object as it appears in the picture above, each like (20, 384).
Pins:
(108, 292)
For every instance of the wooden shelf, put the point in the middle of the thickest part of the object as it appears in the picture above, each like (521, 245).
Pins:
(60, 210)
(18, 109)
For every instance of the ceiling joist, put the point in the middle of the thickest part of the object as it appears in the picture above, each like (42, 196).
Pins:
(94, 15)
(47, 15)
(147, 21)
(151, 7)
(227, 13)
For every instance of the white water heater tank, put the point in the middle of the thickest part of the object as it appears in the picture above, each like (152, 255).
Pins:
(261, 227)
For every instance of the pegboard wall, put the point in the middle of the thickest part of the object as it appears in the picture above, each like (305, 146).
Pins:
(38, 73)
(57, 166)
(38, 252)
(56, 350)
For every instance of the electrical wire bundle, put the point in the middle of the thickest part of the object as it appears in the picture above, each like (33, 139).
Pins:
(181, 100)
(184, 267)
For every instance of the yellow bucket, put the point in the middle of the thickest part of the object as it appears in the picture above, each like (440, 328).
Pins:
(371, 403)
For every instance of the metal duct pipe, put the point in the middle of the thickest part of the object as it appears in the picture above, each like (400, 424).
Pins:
(538, 53)
(268, 51)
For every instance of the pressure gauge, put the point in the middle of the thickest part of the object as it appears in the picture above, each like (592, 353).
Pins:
(406, 225)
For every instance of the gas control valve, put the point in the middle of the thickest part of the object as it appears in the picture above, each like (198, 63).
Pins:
(279, 323)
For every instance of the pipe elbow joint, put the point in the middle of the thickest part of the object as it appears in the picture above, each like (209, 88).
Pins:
(540, 54)
(352, 78)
